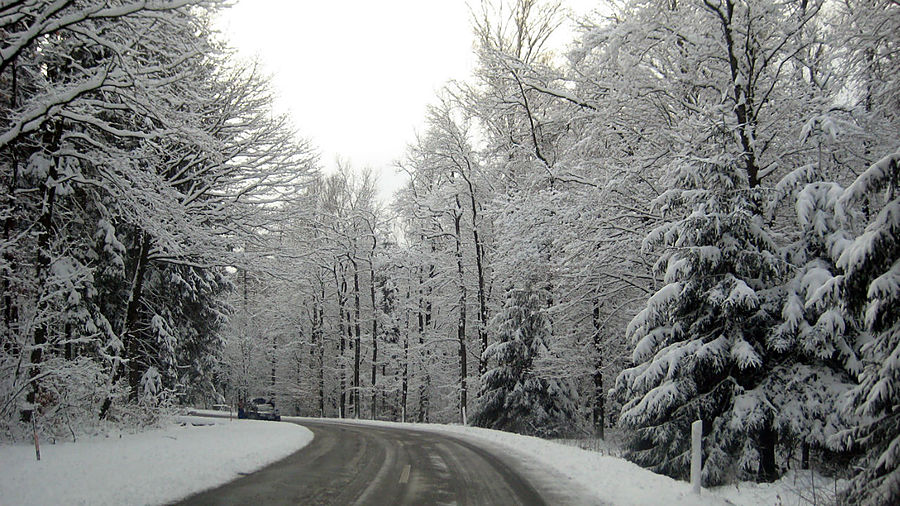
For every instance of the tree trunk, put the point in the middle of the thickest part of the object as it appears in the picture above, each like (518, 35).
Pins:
(9, 306)
(424, 317)
(274, 363)
(479, 267)
(374, 329)
(743, 93)
(42, 267)
(132, 312)
(129, 338)
(357, 342)
(404, 385)
(461, 325)
(768, 471)
(383, 409)
(341, 288)
(598, 411)
(68, 348)
(320, 341)
(482, 304)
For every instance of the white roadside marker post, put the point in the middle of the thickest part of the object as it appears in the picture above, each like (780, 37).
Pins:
(696, 455)
(37, 445)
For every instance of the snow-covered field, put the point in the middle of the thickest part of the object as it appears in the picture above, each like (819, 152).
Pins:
(154, 467)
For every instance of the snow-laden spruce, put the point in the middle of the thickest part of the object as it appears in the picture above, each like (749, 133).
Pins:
(871, 290)
(816, 345)
(699, 344)
(513, 398)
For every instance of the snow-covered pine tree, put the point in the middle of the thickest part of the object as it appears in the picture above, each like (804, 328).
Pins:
(814, 351)
(871, 289)
(186, 316)
(699, 344)
(512, 397)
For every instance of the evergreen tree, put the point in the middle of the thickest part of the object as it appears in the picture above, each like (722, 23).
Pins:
(699, 342)
(871, 289)
(513, 398)
(814, 350)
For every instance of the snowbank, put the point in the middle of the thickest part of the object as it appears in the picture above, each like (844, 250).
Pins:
(614, 480)
(153, 467)
(795, 487)
(611, 480)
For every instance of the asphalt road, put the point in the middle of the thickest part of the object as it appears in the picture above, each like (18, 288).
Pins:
(359, 464)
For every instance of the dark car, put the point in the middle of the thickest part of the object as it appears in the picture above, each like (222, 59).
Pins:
(260, 409)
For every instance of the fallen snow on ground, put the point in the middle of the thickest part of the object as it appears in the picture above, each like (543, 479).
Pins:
(154, 467)
(614, 480)
(794, 488)
(196, 453)
(610, 480)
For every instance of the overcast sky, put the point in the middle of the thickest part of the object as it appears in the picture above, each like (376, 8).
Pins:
(356, 76)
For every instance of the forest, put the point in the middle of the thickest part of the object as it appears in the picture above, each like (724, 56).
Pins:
(691, 213)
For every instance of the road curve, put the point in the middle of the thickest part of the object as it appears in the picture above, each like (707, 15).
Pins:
(348, 463)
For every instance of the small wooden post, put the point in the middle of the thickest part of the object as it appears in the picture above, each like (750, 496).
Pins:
(37, 445)
(696, 454)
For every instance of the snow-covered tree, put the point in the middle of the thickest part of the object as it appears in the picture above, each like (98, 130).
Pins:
(699, 342)
(136, 157)
(870, 288)
(725, 85)
(814, 350)
(513, 398)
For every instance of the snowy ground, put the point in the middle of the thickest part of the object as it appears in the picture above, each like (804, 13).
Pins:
(153, 467)
(613, 480)
(196, 453)
(617, 481)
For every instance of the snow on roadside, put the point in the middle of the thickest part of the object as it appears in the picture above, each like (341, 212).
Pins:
(614, 480)
(795, 487)
(611, 480)
(153, 467)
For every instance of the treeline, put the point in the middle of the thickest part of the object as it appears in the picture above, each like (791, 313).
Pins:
(691, 214)
(140, 164)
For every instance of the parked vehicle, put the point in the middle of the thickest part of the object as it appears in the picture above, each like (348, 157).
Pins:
(260, 409)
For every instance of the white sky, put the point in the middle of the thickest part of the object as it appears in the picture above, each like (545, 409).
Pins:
(356, 76)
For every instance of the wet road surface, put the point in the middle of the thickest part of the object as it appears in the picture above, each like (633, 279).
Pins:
(348, 463)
